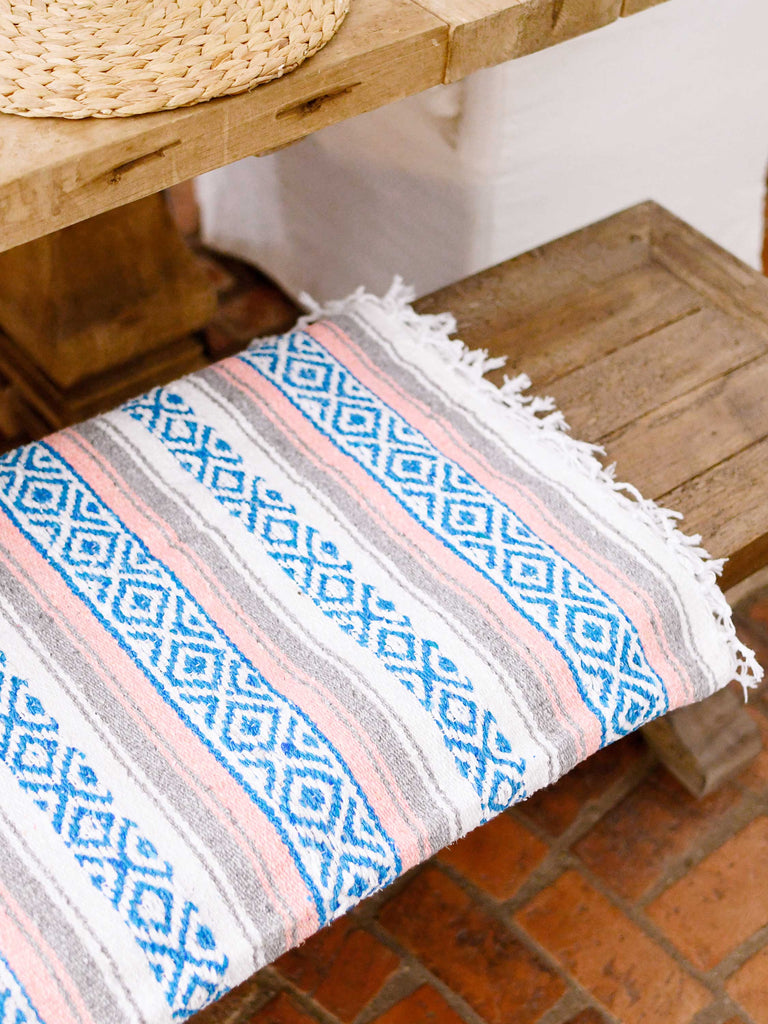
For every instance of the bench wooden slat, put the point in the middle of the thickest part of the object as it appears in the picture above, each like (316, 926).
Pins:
(715, 274)
(684, 438)
(727, 504)
(654, 341)
(612, 393)
(509, 294)
(571, 331)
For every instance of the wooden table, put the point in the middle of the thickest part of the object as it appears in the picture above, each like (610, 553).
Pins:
(54, 172)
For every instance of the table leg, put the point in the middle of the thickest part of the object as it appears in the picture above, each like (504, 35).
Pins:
(707, 743)
(96, 312)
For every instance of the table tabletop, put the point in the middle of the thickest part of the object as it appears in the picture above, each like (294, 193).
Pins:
(56, 172)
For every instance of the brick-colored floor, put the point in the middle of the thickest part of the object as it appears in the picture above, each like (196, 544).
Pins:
(611, 897)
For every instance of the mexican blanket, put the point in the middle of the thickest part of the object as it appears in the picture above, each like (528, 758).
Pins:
(273, 634)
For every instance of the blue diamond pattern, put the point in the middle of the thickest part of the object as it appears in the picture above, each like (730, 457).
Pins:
(611, 671)
(321, 571)
(201, 675)
(120, 861)
(15, 1006)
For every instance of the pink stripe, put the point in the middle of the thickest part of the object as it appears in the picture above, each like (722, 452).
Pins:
(364, 761)
(39, 970)
(529, 506)
(186, 754)
(447, 569)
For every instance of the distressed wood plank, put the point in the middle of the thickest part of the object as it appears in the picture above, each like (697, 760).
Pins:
(727, 505)
(505, 297)
(487, 32)
(55, 172)
(575, 329)
(683, 414)
(715, 274)
(611, 392)
(685, 437)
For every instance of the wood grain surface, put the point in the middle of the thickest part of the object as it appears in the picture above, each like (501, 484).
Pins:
(55, 172)
(654, 343)
(91, 297)
(635, 6)
(487, 32)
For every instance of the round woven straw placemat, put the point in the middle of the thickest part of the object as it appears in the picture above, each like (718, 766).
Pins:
(85, 58)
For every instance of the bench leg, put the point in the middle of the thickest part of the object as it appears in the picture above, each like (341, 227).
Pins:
(99, 310)
(707, 743)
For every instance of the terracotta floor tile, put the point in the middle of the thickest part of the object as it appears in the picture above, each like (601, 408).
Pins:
(610, 956)
(424, 1006)
(470, 950)
(497, 857)
(281, 1010)
(588, 1016)
(558, 806)
(342, 967)
(721, 901)
(749, 986)
(307, 965)
(656, 824)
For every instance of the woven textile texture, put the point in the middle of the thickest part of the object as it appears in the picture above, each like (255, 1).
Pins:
(275, 633)
(76, 58)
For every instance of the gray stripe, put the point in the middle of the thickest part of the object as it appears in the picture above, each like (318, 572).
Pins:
(85, 688)
(343, 679)
(492, 647)
(59, 932)
(652, 577)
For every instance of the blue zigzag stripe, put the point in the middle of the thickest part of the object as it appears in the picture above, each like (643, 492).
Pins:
(482, 753)
(594, 636)
(121, 862)
(268, 744)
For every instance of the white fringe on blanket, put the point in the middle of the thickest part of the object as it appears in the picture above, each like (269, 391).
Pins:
(421, 337)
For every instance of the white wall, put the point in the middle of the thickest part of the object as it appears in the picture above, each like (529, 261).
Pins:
(670, 104)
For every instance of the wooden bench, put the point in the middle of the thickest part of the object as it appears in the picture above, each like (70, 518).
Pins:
(654, 343)
(652, 340)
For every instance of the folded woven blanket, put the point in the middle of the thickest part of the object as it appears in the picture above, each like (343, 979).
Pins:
(275, 633)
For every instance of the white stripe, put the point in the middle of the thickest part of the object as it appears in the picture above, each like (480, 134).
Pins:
(419, 738)
(134, 799)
